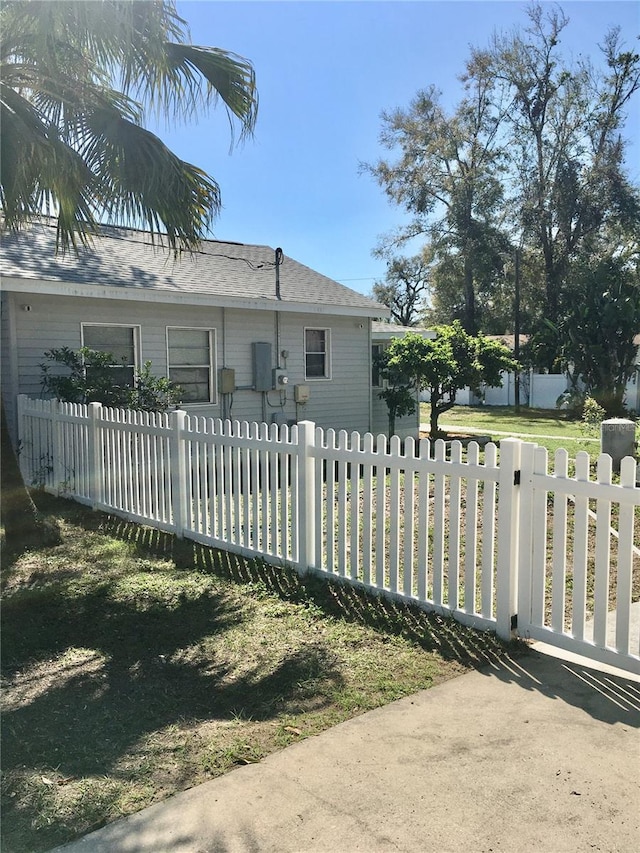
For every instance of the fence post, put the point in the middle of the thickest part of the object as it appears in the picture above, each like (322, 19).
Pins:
(20, 443)
(525, 527)
(306, 496)
(177, 420)
(96, 456)
(507, 538)
(59, 466)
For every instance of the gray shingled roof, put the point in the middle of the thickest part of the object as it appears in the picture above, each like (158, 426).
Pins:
(123, 258)
(383, 330)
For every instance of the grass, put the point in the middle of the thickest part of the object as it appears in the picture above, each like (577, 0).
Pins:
(136, 665)
(549, 428)
(505, 419)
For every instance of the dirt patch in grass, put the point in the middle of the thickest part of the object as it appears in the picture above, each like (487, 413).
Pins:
(136, 665)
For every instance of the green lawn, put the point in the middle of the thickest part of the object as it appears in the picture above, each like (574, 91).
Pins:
(547, 427)
(505, 419)
(136, 665)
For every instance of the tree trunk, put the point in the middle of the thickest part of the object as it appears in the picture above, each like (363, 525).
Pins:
(469, 320)
(392, 423)
(23, 527)
(434, 413)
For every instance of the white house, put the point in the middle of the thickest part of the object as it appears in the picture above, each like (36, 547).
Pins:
(249, 333)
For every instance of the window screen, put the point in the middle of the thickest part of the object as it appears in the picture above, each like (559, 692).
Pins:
(316, 353)
(191, 364)
(120, 342)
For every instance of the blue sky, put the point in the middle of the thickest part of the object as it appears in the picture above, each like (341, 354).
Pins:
(325, 72)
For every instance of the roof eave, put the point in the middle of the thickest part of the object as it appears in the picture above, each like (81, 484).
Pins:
(136, 294)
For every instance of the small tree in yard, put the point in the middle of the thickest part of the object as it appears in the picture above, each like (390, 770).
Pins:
(451, 361)
(399, 392)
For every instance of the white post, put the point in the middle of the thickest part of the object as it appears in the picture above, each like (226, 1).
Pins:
(96, 456)
(22, 461)
(306, 496)
(177, 461)
(525, 528)
(507, 558)
(59, 462)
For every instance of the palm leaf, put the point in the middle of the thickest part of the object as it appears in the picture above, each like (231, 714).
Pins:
(142, 181)
(228, 76)
(76, 79)
(40, 173)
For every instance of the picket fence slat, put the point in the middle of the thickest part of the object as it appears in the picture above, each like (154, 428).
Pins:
(367, 512)
(483, 538)
(580, 549)
(455, 493)
(625, 561)
(559, 571)
(603, 557)
(439, 528)
(422, 550)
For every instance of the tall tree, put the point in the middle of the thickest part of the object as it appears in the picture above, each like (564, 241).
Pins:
(563, 132)
(404, 289)
(595, 338)
(76, 82)
(445, 176)
(532, 157)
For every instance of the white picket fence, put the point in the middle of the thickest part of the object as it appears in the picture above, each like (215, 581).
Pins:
(482, 536)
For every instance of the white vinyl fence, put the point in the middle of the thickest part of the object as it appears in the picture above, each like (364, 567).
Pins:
(492, 538)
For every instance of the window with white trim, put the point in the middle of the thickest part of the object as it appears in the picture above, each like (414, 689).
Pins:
(317, 353)
(191, 363)
(121, 342)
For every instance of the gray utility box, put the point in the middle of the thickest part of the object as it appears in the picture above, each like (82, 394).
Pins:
(261, 360)
(617, 438)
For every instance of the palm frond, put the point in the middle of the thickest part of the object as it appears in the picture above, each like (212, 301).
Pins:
(77, 78)
(228, 76)
(40, 173)
(142, 181)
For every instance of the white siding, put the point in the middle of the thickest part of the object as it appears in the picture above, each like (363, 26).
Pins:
(55, 322)
(341, 402)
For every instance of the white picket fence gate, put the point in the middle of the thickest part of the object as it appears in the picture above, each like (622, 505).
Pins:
(493, 539)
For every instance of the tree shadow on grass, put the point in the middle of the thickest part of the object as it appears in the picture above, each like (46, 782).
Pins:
(427, 630)
(94, 673)
(137, 678)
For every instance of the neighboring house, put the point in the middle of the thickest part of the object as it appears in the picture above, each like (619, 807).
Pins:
(249, 333)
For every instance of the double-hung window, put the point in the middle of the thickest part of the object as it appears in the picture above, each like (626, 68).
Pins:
(317, 353)
(121, 342)
(191, 363)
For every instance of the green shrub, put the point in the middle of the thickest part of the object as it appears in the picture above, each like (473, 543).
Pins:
(592, 416)
(90, 379)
